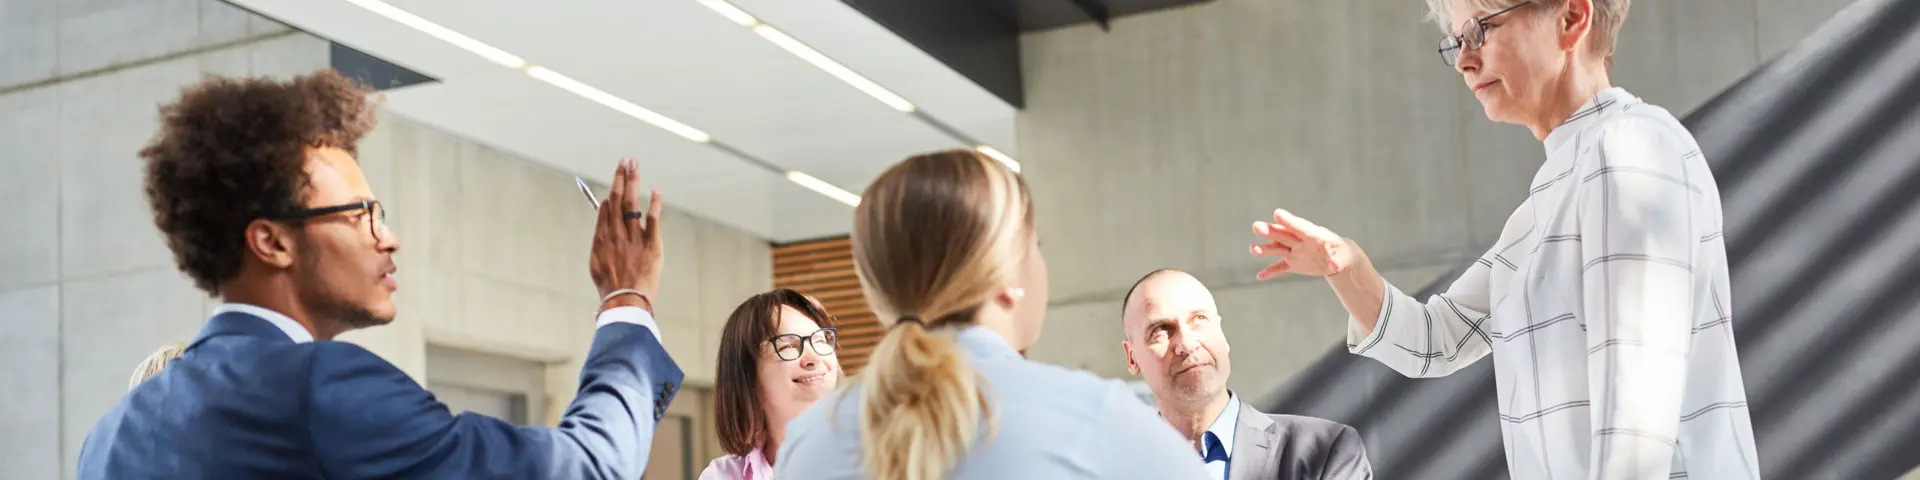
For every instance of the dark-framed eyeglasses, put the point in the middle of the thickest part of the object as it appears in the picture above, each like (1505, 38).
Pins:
(368, 211)
(1472, 35)
(787, 345)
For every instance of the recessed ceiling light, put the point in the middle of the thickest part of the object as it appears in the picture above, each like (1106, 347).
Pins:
(819, 60)
(619, 104)
(734, 13)
(833, 68)
(445, 34)
(824, 188)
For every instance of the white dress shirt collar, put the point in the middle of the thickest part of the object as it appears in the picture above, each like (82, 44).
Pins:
(293, 329)
(1606, 100)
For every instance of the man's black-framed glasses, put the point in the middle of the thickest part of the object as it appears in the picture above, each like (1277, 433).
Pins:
(1472, 35)
(368, 211)
(787, 345)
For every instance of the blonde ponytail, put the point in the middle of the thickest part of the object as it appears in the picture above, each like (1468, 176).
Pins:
(154, 363)
(934, 238)
(921, 405)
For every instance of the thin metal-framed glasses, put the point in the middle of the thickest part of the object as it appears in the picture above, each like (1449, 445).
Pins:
(787, 345)
(1472, 35)
(374, 215)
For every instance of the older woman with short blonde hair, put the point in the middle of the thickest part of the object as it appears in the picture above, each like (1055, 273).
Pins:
(1608, 288)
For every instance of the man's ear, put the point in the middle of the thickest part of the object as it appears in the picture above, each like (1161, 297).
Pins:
(1126, 350)
(271, 243)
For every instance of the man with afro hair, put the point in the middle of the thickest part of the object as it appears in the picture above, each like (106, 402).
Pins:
(255, 186)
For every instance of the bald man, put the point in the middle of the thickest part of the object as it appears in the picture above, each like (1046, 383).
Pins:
(1175, 340)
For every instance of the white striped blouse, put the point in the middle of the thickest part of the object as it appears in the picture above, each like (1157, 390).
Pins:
(1605, 307)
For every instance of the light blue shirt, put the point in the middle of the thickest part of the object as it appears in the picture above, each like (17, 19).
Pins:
(293, 329)
(1053, 423)
(1216, 446)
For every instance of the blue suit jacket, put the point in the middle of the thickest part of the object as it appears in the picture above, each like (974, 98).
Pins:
(245, 401)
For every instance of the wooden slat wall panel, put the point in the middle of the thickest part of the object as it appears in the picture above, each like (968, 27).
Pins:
(824, 269)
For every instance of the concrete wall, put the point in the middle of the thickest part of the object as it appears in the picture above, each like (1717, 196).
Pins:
(494, 246)
(1159, 143)
(494, 256)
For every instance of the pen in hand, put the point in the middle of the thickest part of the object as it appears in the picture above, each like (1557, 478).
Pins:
(592, 202)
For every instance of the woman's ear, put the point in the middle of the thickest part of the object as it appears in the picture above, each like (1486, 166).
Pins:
(1010, 296)
(1574, 23)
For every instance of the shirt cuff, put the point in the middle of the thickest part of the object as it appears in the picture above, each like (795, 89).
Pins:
(634, 315)
(1356, 342)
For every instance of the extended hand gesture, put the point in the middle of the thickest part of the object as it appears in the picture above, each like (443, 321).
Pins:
(627, 251)
(1301, 247)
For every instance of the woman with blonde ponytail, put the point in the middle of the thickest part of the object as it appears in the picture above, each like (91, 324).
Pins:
(947, 256)
(154, 363)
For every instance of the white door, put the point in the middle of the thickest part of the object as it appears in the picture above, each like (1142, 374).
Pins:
(502, 405)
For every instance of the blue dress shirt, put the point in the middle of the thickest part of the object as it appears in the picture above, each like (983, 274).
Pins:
(1053, 423)
(1216, 446)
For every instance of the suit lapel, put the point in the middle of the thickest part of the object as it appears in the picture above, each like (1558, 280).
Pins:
(1252, 446)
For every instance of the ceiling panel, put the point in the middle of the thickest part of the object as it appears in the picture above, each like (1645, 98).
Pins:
(798, 214)
(523, 115)
(907, 69)
(680, 59)
(813, 123)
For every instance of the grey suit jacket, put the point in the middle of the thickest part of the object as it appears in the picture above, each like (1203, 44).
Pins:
(1288, 447)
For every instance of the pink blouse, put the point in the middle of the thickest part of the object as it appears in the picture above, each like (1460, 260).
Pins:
(752, 466)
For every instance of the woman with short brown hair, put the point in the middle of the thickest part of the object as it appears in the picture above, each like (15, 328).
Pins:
(777, 357)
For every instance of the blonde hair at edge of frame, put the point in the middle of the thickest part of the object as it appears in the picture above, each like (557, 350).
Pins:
(934, 236)
(155, 363)
(1608, 15)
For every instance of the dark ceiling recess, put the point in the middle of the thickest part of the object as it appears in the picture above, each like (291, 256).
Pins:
(1035, 15)
(373, 71)
(367, 69)
(981, 38)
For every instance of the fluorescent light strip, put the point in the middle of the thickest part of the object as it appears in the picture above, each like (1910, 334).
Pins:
(609, 100)
(731, 12)
(820, 60)
(494, 55)
(988, 150)
(512, 61)
(833, 68)
(824, 188)
(619, 104)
